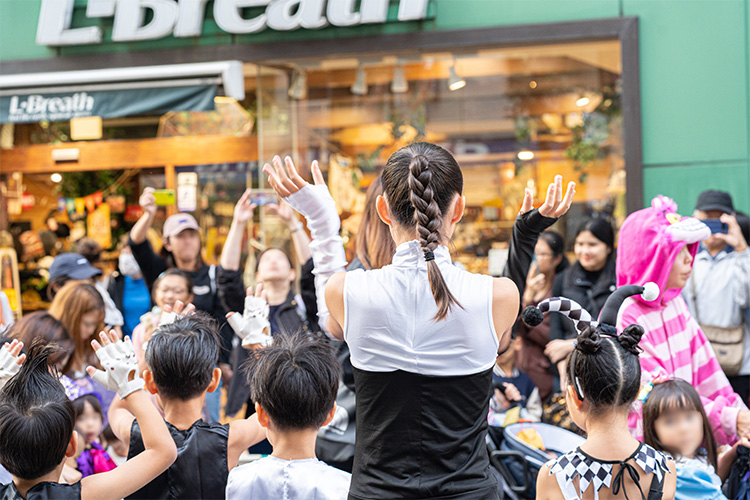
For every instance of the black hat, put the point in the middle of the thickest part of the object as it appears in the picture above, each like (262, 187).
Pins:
(715, 200)
(74, 266)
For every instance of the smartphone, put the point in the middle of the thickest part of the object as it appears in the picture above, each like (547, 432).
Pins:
(263, 197)
(164, 197)
(716, 226)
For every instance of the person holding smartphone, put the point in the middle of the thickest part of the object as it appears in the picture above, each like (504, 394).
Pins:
(718, 288)
(181, 249)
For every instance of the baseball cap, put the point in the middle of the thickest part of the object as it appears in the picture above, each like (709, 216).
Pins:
(715, 200)
(74, 266)
(177, 223)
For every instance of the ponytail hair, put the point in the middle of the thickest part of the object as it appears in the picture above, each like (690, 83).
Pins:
(433, 179)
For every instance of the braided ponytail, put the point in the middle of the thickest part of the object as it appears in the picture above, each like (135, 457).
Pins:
(429, 220)
(420, 182)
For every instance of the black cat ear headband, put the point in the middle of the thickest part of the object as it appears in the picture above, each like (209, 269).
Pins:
(582, 319)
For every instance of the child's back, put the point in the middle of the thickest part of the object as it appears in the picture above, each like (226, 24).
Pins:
(181, 358)
(295, 479)
(294, 384)
(200, 470)
(603, 380)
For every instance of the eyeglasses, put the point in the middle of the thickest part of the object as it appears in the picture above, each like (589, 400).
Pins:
(543, 255)
(173, 291)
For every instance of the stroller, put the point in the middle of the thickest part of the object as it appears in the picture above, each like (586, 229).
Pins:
(518, 462)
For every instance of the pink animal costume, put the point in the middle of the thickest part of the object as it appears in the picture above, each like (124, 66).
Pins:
(673, 344)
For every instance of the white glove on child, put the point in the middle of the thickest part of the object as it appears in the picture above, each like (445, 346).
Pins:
(252, 326)
(8, 365)
(167, 318)
(120, 368)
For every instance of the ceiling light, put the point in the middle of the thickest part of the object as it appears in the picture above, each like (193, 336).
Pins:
(525, 155)
(582, 101)
(455, 82)
(399, 85)
(298, 88)
(56, 178)
(359, 87)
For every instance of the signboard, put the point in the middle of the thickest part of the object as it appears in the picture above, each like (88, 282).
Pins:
(185, 18)
(32, 108)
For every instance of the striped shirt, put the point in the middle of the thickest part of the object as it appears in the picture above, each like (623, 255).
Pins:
(675, 345)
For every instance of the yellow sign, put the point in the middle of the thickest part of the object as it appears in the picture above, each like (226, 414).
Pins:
(98, 226)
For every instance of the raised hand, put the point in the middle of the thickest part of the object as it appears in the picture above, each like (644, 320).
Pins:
(252, 326)
(284, 211)
(117, 357)
(243, 210)
(11, 360)
(286, 181)
(734, 235)
(314, 201)
(555, 205)
(170, 313)
(147, 201)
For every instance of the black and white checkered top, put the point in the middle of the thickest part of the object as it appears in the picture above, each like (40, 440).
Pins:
(590, 470)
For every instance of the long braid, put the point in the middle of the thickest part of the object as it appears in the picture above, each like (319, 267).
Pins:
(428, 217)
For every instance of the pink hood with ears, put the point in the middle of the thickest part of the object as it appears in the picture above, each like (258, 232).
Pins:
(650, 240)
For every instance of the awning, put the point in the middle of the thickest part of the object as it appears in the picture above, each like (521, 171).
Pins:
(119, 92)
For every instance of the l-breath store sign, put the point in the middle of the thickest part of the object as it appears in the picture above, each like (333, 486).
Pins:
(184, 18)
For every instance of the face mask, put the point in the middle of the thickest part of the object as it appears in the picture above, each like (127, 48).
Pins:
(128, 265)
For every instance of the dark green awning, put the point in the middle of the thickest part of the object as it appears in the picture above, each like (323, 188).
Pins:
(31, 107)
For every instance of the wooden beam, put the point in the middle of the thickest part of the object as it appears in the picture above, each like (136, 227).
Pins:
(142, 153)
(169, 177)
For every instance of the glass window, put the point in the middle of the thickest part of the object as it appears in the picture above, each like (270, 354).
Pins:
(513, 118)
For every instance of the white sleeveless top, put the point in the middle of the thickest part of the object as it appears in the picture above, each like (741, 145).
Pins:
(389, 325)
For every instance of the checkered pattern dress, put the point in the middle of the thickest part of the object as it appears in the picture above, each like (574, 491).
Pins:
(601, 473)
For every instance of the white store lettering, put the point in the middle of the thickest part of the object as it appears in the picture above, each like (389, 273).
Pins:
(184, 18)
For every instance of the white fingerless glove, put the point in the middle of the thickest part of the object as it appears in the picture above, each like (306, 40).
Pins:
(120, 368)
(8, 366)
(252, 326)
(316, 204)
(167, 318)
(327, 248)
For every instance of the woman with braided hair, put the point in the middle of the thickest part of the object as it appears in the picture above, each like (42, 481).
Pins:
(423, 334)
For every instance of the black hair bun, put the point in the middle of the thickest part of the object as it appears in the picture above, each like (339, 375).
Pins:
(532, 316)
(589, 341)
(630, 338)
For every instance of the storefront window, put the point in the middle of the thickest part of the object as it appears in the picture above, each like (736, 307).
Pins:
(513, 118)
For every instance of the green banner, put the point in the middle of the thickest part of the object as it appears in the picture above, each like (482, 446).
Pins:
(36, 107)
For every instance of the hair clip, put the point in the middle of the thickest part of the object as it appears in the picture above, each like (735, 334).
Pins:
(648, 387)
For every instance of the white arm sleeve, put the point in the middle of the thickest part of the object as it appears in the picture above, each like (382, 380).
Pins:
(327, 247)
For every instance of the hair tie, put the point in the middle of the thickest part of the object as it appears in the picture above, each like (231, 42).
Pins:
(428, 256)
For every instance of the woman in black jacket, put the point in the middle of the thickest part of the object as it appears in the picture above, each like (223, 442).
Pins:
(288, 312)
(590, 282)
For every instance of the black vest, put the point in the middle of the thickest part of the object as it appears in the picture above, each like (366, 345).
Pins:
(43, 491)
(421, 436)
(200, 470)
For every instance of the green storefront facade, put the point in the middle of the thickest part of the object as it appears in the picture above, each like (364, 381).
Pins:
(692, 68)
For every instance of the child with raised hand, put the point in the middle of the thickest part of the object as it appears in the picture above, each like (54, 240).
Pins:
(294, 383)
(181, 367)
(11, 360)
(603, 379)
(675, 422)
(37, 421)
